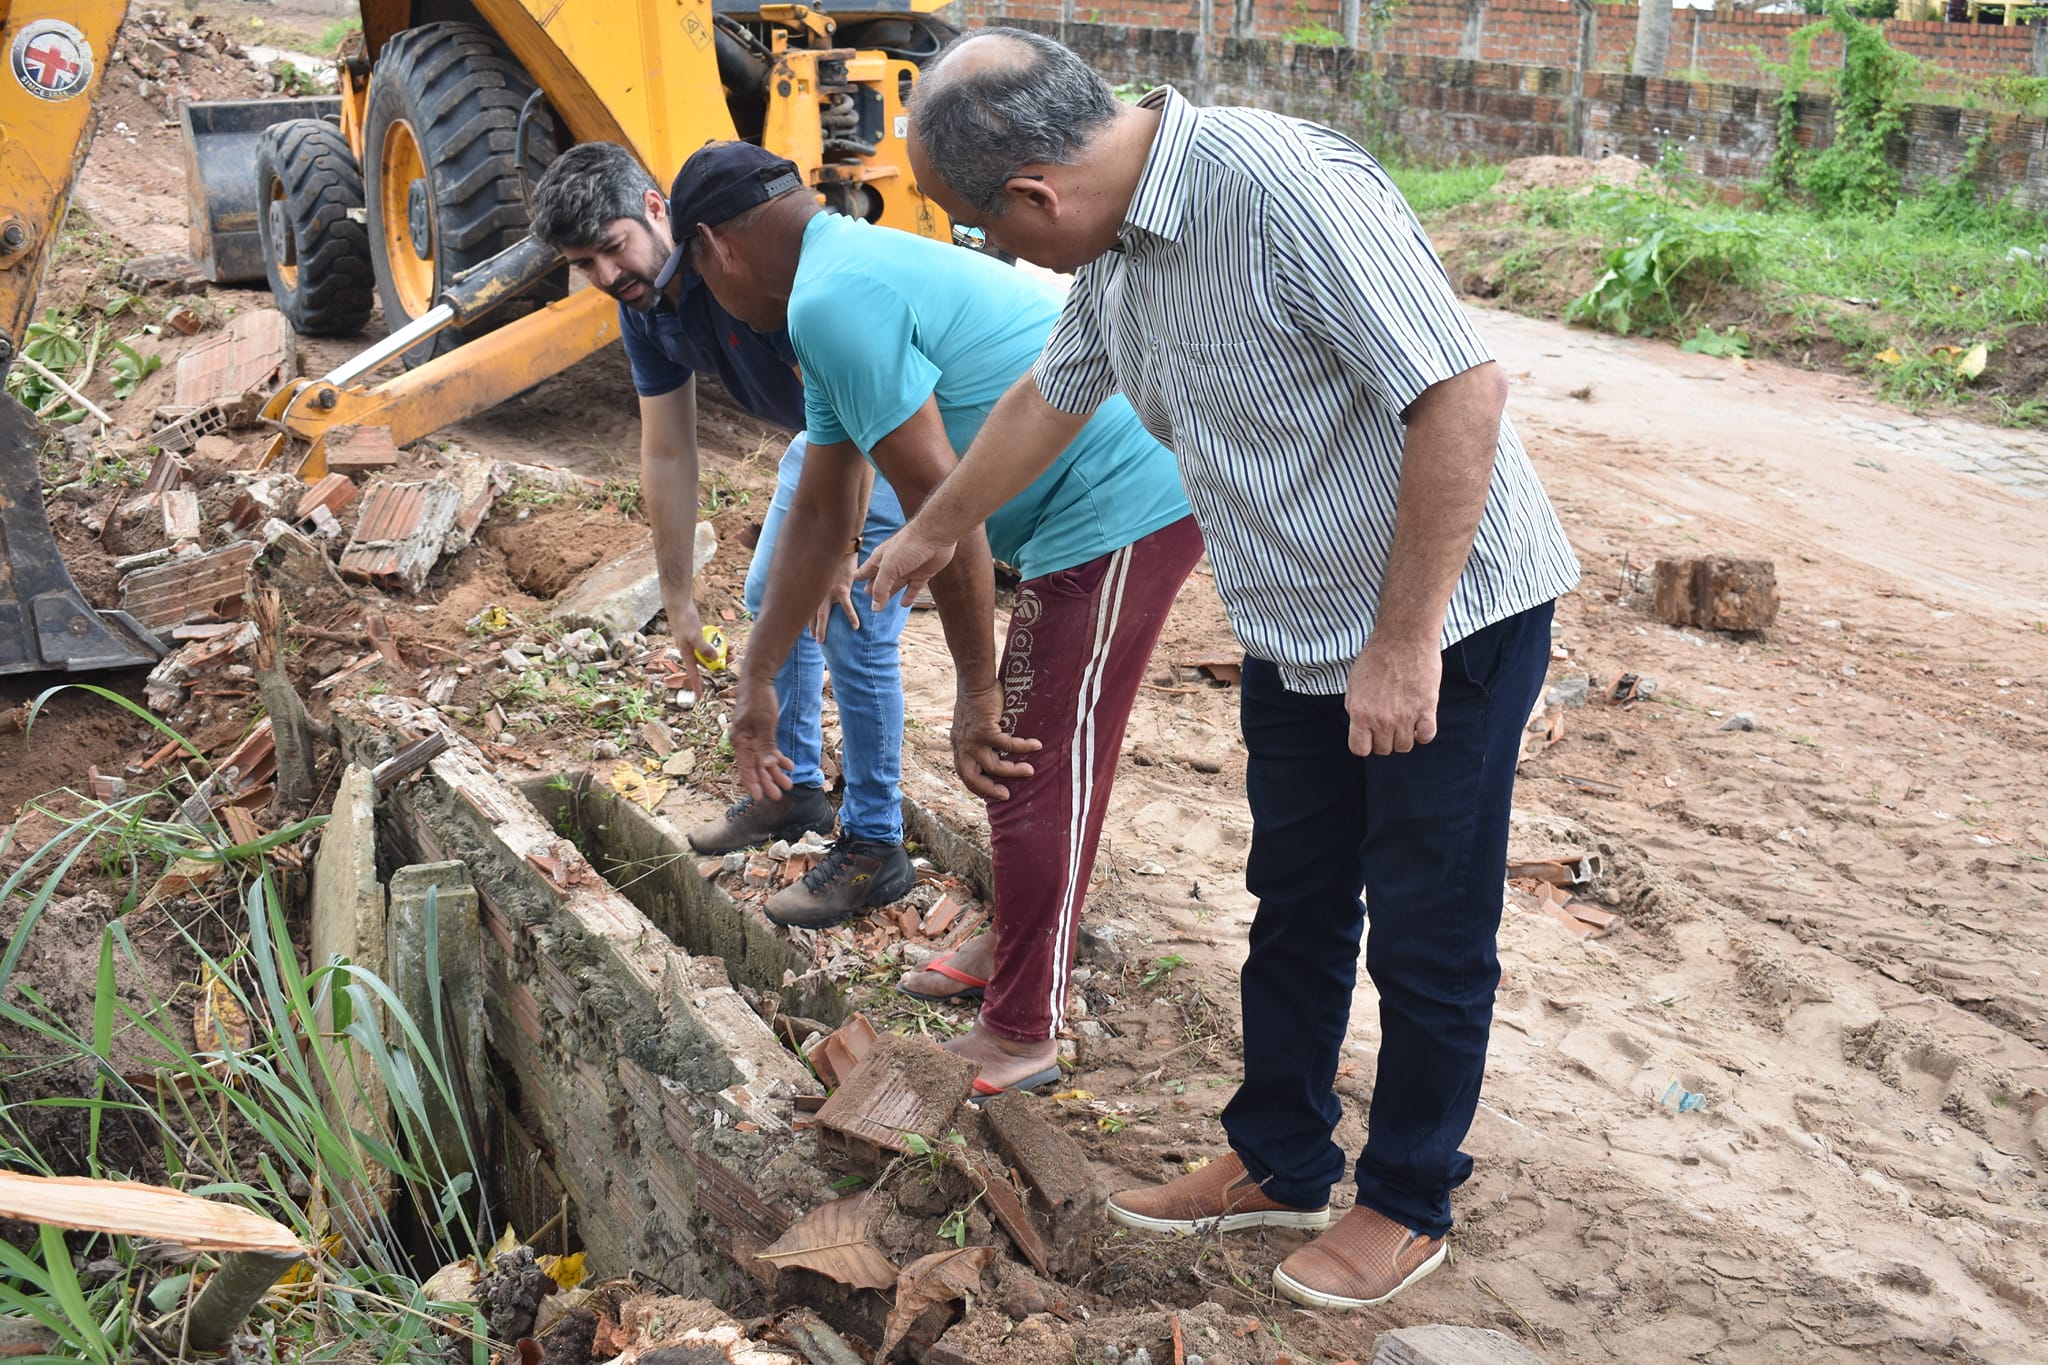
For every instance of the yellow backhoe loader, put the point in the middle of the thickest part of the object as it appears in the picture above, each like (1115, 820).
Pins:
(408, 193)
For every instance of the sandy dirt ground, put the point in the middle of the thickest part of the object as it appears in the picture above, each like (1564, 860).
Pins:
(1831, 923)
(1831, 918)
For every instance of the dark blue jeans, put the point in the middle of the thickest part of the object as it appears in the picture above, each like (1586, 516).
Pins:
(1424, 834)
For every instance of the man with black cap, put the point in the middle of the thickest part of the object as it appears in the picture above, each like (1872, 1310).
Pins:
(601, 209)
(905, 344)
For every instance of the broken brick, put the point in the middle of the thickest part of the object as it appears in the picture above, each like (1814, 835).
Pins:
(295, 560)
(1008, 1207)
(333, 492)
(187, 588)
(906, 1087)
(1056, 1171)
(254, 760)
(399, 534)
(839, 1054)
(356, 450)
(166, 472)
(246, 362)
(941, 916)
(183, 321)
(165, 690)
(181, 514)
(1716, 593)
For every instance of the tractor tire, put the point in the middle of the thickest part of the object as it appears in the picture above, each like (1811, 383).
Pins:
(315, 247)
(442, 182)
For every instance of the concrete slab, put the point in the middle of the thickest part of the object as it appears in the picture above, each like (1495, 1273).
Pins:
(624, 593)
(631, 1060)
(1442, 1344)
(443, 995)
(348, 923)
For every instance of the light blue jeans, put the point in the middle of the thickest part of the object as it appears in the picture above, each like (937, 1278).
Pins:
(867, 677)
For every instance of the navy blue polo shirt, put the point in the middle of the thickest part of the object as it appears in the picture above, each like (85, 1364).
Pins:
(673, 341)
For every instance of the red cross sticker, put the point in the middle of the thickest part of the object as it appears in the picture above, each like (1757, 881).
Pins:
(51, 67)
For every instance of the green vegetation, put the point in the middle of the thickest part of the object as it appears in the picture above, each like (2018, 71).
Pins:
(221, 1099)
(1903, 297)
(1433, 189)
(1827, 264)
(335, 34)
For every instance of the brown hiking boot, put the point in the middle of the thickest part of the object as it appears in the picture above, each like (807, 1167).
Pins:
(789, 816)
(854, 875)
(1218, 1198)
(1366, 1259)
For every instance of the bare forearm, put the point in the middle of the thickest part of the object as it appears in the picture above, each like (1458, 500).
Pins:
(1021, 439)
(966, 598)
(668, 483)
(1446, 466)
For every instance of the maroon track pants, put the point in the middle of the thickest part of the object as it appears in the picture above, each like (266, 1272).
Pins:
(1079, 642)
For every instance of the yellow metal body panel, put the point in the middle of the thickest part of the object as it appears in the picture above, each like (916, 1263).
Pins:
(56, 56)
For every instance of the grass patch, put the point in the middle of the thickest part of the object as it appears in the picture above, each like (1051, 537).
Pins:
(1433, 189)
(1903, 298)
(332, 37)
(227, 1103)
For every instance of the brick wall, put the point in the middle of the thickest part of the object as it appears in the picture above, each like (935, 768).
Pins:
(1437, 107)
(1712, 45)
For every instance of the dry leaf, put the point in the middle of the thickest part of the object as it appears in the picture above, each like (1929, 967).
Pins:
(183, 875)
(566, 1271)
(1972, 365)
(832, 1239)
(940, 1277)
(169, 1082)
(507, 1241)
(219, 1024)
(452, 1283)
(136, 1210)
(1074, 1095)
(1889, 356)
(642, 791)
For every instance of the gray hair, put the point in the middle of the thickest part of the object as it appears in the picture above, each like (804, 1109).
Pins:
(982, 126)
(586, 189)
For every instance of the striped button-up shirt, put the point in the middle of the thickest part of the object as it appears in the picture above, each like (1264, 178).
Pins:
(1272, 309)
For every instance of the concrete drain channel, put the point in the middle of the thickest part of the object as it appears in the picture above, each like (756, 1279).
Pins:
(623, 1073)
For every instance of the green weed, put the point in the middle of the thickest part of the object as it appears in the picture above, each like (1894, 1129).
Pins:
(238, 1116)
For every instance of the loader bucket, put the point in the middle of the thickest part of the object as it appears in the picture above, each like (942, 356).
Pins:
(45, 623)
(221, 194)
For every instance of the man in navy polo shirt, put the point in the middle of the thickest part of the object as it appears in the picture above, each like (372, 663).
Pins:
(599, 207)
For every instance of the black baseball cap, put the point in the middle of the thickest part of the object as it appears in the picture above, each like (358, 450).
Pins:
(721, 181)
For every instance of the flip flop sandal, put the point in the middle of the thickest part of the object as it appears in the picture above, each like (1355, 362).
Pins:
(984, 1092)
(976, 985)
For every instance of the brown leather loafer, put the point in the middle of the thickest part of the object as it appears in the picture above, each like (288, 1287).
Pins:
(1366, 1259)
(1220, 1197)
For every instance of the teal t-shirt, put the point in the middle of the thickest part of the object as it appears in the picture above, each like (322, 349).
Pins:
(882, 320)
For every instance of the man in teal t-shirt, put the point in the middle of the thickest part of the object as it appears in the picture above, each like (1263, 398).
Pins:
(905, 344)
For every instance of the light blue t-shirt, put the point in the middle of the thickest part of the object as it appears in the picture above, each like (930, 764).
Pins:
(882, 320)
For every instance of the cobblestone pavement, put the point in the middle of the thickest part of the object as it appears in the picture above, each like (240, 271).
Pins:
(2016, 459)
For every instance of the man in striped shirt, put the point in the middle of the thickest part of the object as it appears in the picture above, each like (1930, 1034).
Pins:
(1259, 291)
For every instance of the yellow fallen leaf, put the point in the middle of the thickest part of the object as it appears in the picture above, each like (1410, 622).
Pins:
(219, 1024)
(1946, 352)
(506, 1242)
(1197, 1164)
(566, 1271)
(1074, 1095)
(491, 620)
(1888, 356)
(1972, 365)
(639, 788)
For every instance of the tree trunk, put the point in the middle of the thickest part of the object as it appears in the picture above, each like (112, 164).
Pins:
(1653, 38)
